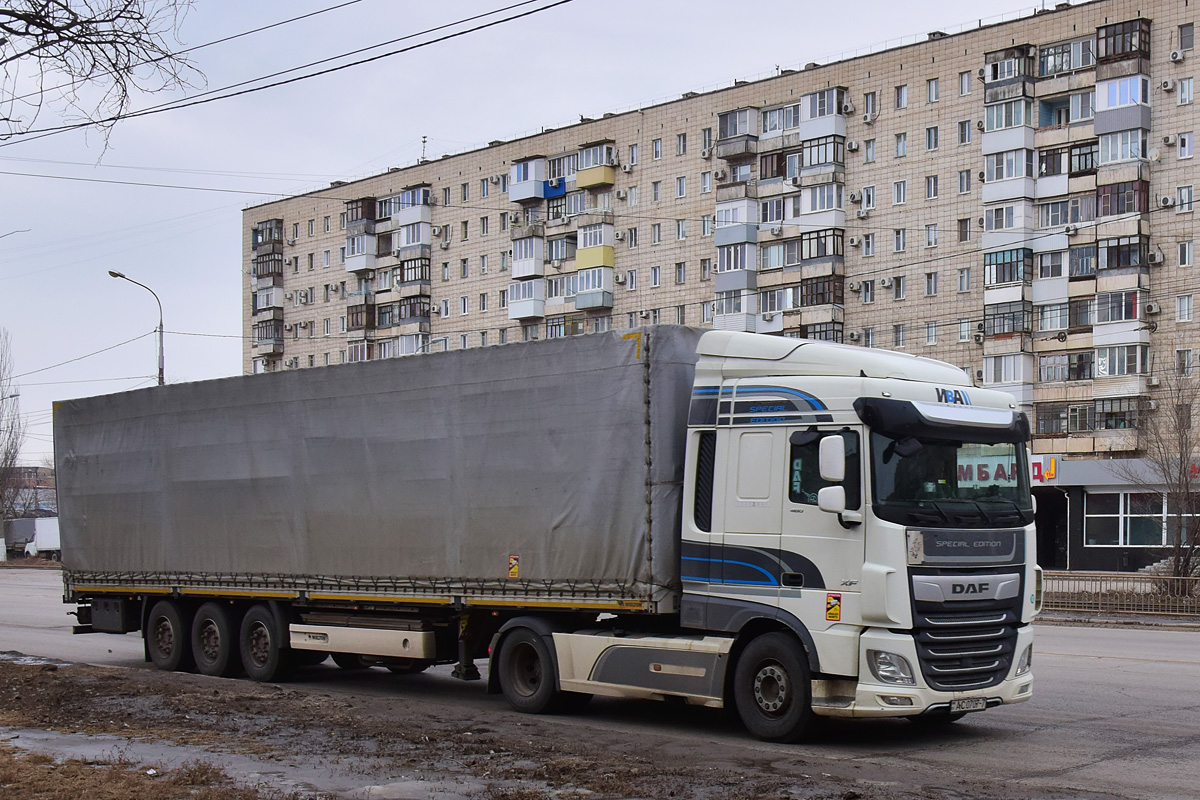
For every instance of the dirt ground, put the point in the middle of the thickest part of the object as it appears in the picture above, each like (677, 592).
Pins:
(380, 740)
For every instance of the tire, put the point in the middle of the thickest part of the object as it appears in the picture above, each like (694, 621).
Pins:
(215, 640)
(527, 675)
(168, 637)
(351, 661)
(263, 657)
(772, 688)
(407, 666)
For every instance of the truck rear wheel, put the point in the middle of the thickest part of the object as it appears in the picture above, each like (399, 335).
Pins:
(168, 637)
(351, 661)
(772, 688)
(262, 652)
(215, 640)
(527, 676)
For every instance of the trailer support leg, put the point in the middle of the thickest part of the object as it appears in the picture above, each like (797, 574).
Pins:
(465, 669)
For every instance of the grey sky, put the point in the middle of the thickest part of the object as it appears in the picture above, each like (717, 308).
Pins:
(586, 57)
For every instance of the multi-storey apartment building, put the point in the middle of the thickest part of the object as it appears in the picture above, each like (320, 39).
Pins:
(1016, 199)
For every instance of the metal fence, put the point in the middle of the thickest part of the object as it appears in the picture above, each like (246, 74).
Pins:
(1120, 592)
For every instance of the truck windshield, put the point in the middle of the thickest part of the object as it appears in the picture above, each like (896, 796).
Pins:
(945, 483)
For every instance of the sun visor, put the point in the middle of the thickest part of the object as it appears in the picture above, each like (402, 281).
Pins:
(899, 418)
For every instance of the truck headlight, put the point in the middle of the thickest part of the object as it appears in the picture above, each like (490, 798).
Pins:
(1025, 661)
(890, 668)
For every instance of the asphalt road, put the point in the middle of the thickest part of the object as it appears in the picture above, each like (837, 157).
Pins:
(1116, 712)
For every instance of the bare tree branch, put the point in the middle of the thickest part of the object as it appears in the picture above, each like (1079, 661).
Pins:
(12, 431)
(102, 51)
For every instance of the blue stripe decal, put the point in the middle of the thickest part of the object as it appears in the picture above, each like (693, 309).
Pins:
(816, 404)
(770, 581)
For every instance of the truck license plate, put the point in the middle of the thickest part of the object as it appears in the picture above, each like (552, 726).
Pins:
(968, 704)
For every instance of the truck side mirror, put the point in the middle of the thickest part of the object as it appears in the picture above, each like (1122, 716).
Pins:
(832, 499)
(832, 460)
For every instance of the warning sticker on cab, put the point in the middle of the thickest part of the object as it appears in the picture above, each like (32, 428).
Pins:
(833, 607)
(514, 566)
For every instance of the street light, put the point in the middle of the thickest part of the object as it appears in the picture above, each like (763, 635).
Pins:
(122, 276)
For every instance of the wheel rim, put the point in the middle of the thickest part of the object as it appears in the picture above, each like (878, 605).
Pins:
(260, 644)
(164, 636)
(209, 640)
(772, 692)
(525, 667)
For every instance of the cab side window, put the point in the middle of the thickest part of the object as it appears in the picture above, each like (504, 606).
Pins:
(804, 472)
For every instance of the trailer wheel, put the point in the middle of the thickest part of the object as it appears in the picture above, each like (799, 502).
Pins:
(168, 638)
(527, 676)
(352, 661)
(772, 688)
(215, 640)
(408, 666)
(262, 655)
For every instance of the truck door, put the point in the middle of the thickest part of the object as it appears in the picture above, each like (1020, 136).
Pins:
(820, 559)
(753, 493)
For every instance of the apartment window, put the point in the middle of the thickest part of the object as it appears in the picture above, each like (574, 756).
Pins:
(825, 197)
(964, 279)
(901, 144)
(868, 337)
(1001, 369)
(630, 279)
(681, 186)
(1008, 164)
(998, 219)
(1081, 313)
(464, 266)
(868, 198)
(1007, 266)
(964, 181)
(656, 191)
(1185, 145)
(1183, 200)
(631, 196)
(964, 330)
(656, 276)
(931, 333)
(1117, 306)
(680, 144)
(1084, 157)
(1050, 265)
(869, 151)
(633, 154)
(483, 301)
(964, 132)
(931, 138)
(902, 96)
(656, 149)
(445, 311)
(1126, 251)
(325, 258)
(680, 229)
(868, 292)
(870, 103)
(465, 192)
(931, 187)
(931, 237)
(964, 230)
(1185, 254)
(899, 192)
(1083, 106)
(1119, 92)
(706, 139)
(465, 230)
(728, 302)
(964, 83)
(483, 226)
(1183, 308)
(868, 244)
(1127, 145)
(706, 224)
(1187, 36)
(899, 287)
(483, 265)
(1184, 93)
(631, 238)
(898, 335)
(931, 284)
(706, 183)
(705, 269)
(680, 271)
(1005, 318)
(1052, 317)
(932, 90)
(312, 227)
(1183, 362)
(771, 210)
(1066, 57)
(1011, 114)
(483, 187)
(899, 240)
(1118, 360)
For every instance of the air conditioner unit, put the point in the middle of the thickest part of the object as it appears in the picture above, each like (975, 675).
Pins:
(644, 314)
(978, 124)
(720, 174)
(982, 176)
(287, 295)
(1177, 56)
(1151, 404)
(437, 231)
(980, 221)
(495, 179)
(556, 263)
(1152, 380)
(554, 182)
(794, 180)
(1168, 85)
(612, 162)
(854, 241)
(436, 310)
(618, 279)
(982, 73)
(855, 197)
(979, 326)
(851, 146)
(777, 230)
(885, 283)
(1154, 258)
(1170, 139)
(869, 119)
(862, 213)
(1152, 307)
(292, 362)
(619, 235)
(445, 245)
(622, 194)
(627, 168)
(514, 218)
(1071, 230)
(847, 108)
(979, 338)
(854, 336)
(705, 153)
(431, 200)
(291, 242)
(1166, 201)
(768, 316)
(287, 327)
(979, 375)
(854, 286)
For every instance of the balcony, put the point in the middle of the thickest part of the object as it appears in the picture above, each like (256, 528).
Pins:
(266, 347)
(360, 262)
(601, 175)
(737, 147)
(527, 309)
(595, 289)
(736, 322)
(736, 191)
(602, 256)
(536, 228)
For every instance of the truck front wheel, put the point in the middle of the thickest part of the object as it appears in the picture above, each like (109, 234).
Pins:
(772, 688)
(262, 653)
(527, 673)
(215, 640)
(168, 637)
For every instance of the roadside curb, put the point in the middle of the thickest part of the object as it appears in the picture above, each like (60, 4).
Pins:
(1092, 621)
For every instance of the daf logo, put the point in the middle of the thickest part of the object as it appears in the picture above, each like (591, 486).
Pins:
(969, 588)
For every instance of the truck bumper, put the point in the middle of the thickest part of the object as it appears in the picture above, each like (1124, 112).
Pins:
(873, 698)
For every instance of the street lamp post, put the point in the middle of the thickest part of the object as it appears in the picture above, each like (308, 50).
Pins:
(124, 277)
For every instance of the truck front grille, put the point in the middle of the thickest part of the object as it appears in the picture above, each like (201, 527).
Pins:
(963, 650)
